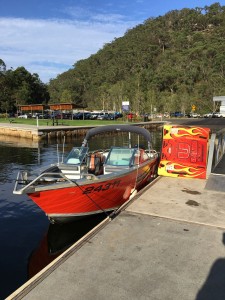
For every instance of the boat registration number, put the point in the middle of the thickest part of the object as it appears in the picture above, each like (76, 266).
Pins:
(102, 187)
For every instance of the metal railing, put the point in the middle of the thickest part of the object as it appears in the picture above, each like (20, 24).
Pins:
(28, 186)
(216, 150)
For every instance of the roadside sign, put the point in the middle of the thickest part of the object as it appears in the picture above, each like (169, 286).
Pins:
(125, 106)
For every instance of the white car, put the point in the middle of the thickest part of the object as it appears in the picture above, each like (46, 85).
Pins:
(22, 116)
(195, 115)
(208, 115)
(218, 115)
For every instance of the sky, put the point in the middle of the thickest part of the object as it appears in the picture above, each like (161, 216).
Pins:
(48, 37)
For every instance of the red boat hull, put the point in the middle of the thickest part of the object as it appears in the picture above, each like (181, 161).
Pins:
(94, 197)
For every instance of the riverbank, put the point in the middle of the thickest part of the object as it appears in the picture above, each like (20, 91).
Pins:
(38, 133)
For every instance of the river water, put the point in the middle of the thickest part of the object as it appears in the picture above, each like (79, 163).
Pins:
(28, 241)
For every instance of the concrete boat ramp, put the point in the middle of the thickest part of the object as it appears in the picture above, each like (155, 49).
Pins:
(167, 243)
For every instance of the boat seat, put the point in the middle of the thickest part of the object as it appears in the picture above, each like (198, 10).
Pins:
(140, 157)
(95, 163)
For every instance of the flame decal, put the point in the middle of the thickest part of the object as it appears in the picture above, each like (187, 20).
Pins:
(171, 132)
(169, 168)
(184, 151)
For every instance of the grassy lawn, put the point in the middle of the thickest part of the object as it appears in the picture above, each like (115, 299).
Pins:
(48, 122)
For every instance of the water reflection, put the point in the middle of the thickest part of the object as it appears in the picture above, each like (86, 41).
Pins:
(18, 142)
(58, 238)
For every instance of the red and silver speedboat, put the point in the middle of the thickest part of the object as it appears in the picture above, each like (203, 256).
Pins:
(87, 183)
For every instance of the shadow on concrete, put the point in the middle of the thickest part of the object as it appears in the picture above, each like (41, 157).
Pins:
(214, 287)
(215, 182)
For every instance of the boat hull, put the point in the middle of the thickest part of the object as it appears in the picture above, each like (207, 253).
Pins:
(105, 194)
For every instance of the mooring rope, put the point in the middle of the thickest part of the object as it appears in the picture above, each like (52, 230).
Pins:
(93, 201)
(137, 166)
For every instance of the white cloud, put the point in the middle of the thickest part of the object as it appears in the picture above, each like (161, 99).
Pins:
(50, 47)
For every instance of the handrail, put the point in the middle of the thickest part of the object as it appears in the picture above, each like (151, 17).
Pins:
(21, 191)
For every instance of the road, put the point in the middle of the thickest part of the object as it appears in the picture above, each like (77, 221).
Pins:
(212, 123)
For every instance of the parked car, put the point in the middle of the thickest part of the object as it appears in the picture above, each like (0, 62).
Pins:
(109, 117)
(23, 116)
(75, 115)
(82, 115)
(208, 115)
(44, 116)
(118, 115)
(193, 115)
(94, 116)
(67, 116)
(101, 116)
(218, 115)
(177, 114)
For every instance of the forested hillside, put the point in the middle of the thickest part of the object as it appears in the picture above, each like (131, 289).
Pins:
(168, 63)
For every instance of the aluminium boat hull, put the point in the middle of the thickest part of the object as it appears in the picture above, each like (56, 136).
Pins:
(94, 196)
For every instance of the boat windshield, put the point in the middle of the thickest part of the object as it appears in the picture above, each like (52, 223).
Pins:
(76, 155)
(120, 156)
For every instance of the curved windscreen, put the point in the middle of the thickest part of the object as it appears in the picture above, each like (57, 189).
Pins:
(120, 156)
(76, 155)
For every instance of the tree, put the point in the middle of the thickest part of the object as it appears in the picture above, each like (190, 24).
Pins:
(2, 66)
(66, 97)
(20, 87)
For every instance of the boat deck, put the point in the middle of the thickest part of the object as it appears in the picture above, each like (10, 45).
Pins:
(168, 243)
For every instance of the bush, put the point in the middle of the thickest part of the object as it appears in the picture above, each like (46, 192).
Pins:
(5, 115)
